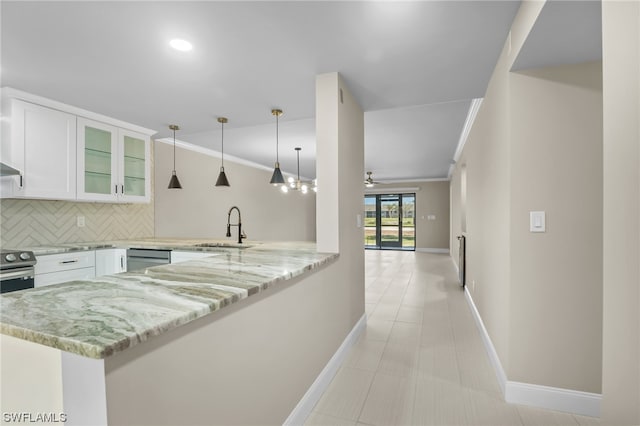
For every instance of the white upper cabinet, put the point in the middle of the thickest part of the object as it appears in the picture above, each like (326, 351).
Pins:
(43, 147)
(113, 163)
(66, 153)
(134, 169)
(97, 161)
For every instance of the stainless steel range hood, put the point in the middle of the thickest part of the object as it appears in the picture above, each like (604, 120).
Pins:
(6, 170)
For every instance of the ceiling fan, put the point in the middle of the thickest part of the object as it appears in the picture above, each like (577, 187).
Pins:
(369, 182)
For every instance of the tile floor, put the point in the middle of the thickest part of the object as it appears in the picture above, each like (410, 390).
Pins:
(421, 360)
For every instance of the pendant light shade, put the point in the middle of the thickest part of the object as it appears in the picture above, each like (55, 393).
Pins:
(174, 182)
(277, 178)
(222, 177)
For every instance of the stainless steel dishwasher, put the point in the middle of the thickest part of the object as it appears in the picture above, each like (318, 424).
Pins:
(139, 258)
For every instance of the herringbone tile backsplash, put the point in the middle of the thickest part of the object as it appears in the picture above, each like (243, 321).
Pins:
(28, 223)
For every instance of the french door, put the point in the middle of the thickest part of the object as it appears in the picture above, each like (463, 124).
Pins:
(389, 221)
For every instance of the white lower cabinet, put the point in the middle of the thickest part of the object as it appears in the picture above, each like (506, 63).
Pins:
(59, 268)
(183, 256)
(64, 276)
(110, 261)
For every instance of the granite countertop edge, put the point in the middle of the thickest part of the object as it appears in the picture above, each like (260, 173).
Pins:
(179, 244)
(223, 280)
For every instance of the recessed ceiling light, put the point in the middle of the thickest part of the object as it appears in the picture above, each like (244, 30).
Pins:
(181, 45)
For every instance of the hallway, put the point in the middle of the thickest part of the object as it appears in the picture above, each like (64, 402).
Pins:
(421, 360)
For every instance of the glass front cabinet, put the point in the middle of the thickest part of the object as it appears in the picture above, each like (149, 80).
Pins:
(113, 163)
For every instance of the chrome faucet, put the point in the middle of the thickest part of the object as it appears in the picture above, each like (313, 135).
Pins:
(241, 234)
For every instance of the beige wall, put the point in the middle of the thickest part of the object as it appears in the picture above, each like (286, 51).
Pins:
(199, 209)
(486, 161)
(247, 364)
(259, 378)
(536, 145)
(432, 198)
(455, 215)
(556, 276)
(621, 334)
(340, 167)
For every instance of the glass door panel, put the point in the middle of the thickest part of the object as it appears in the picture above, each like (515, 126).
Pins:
(97, 160)
(370, 221)
(134, 166)
(409, 221)
(390, 223)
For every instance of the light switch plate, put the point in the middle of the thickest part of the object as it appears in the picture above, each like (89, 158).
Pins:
(537, 221)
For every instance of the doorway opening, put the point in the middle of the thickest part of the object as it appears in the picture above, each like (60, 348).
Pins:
(390, 221)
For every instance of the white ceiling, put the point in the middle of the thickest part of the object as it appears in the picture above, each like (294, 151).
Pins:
(413, 66)
(566, 32)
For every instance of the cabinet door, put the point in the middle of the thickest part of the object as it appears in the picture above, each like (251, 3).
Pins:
(110, 261)
(134, 168)
(46, 140)
(97, 161)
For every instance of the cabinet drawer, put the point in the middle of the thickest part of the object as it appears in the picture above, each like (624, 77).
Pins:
(65, 261)
(183, 256)
(64, 276)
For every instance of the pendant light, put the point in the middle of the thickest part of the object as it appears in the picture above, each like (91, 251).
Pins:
(299, 185)
(174, 183)
(276, 178)
(222, 177)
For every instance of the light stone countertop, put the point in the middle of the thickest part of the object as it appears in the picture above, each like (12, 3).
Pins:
(99, 317)
(181, 244)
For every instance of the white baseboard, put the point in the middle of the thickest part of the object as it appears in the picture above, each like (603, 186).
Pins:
(570, 401)
(488, 344)
(304, 407)
(433, 250)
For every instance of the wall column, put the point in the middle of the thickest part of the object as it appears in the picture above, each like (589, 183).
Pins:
(621, 295)
(340, 173)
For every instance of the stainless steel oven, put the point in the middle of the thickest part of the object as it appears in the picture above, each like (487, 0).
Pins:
(16, 270)
(139, 259)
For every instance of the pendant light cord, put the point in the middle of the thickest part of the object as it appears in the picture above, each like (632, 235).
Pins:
(298, 152)
(222, 162)
(277, 139)
(174, 150)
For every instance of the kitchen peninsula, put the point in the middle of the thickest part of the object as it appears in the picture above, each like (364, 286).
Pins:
(176, 337)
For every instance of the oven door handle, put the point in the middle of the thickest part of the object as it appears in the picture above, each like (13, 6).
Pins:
(20, 273)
